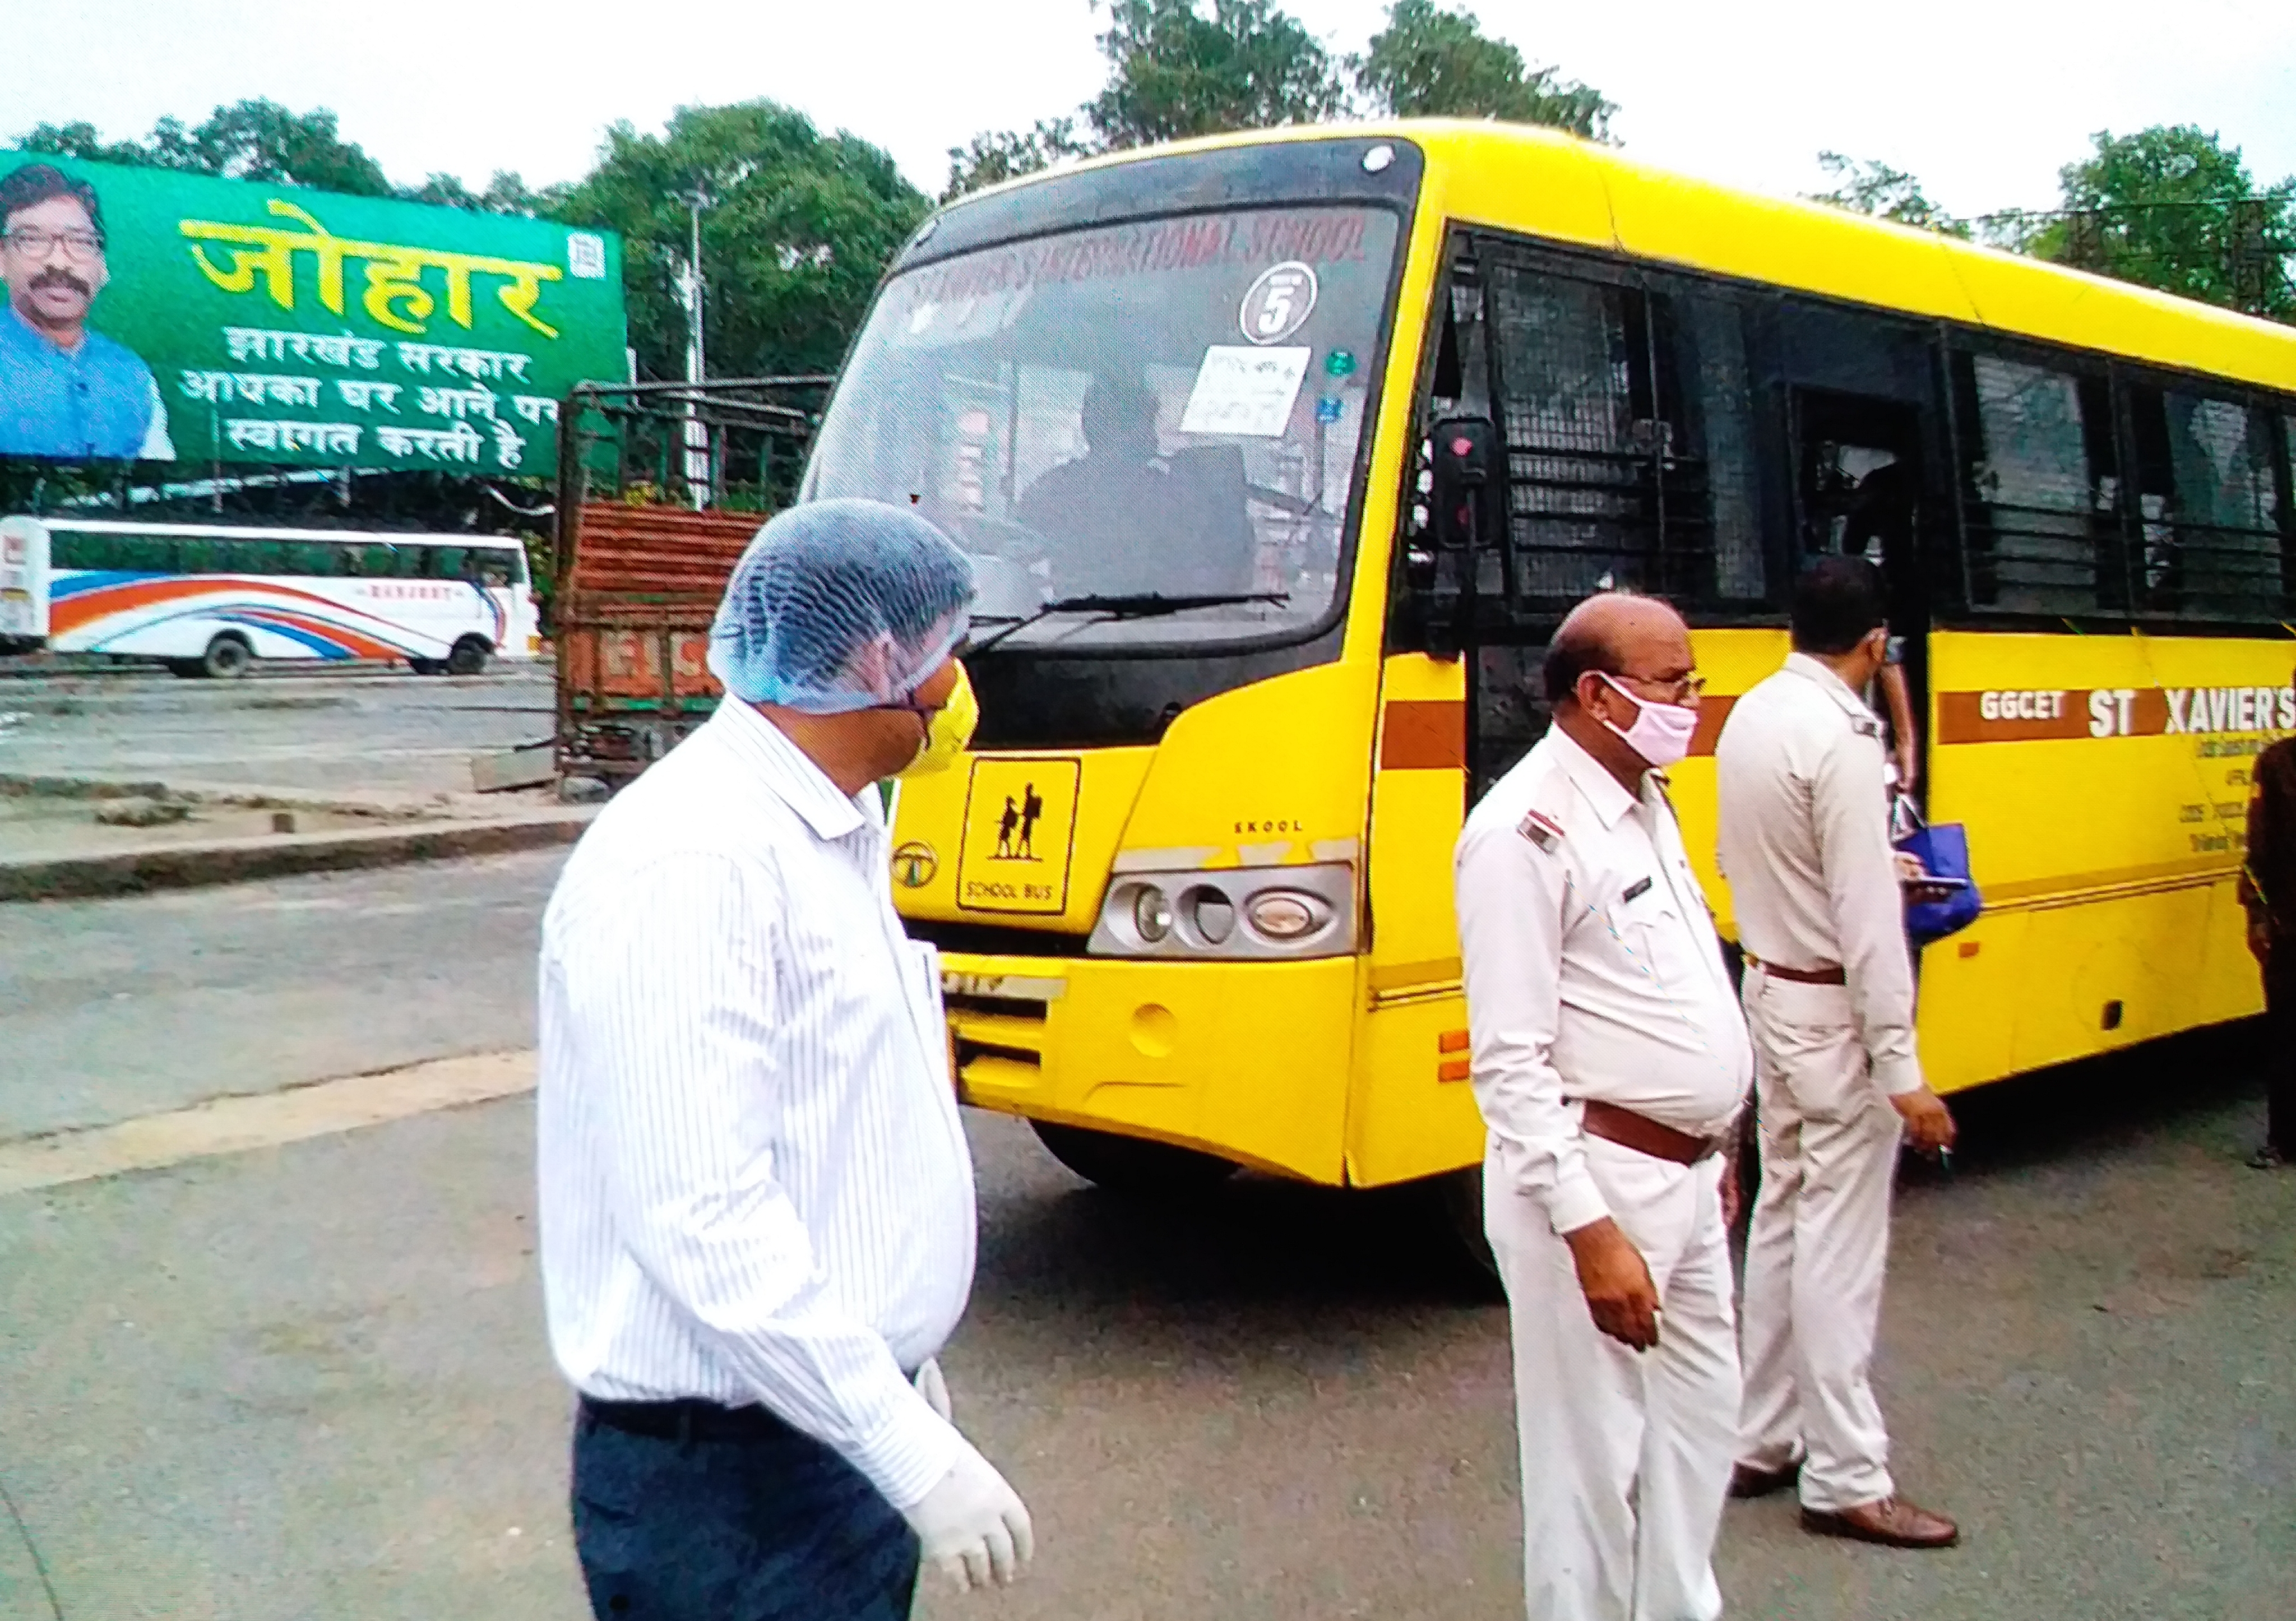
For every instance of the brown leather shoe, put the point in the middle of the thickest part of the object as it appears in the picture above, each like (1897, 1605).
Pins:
(1747, 1480)
(1892, 1522)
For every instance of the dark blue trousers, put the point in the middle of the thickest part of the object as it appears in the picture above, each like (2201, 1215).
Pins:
(773, 1528)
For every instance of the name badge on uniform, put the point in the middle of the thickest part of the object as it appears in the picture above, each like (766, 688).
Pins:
(1864, 727)
(1541, 829)
(1641, 886)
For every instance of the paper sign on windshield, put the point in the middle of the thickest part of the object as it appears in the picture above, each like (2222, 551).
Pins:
(1246, 390)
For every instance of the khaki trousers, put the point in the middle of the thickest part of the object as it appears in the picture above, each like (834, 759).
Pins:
(1819, 1245)
(1626, 1455)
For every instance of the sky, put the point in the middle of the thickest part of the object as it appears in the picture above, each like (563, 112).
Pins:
(1982, 100)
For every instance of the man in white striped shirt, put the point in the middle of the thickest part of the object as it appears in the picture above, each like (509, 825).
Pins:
(755, 1198)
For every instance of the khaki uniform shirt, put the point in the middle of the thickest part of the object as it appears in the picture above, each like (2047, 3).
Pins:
(1592, 971)
(1804, 843)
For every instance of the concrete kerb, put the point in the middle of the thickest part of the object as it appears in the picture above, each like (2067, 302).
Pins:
(134, 871)
(380, 804)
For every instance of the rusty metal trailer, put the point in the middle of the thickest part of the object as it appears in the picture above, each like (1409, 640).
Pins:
(660, 486)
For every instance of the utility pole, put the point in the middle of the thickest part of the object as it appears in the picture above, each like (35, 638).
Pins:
(698, 480)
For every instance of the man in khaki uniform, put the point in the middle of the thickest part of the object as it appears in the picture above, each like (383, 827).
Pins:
(1829, 996)
(1611, 1063)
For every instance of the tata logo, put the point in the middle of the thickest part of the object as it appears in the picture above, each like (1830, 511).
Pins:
(914, 863)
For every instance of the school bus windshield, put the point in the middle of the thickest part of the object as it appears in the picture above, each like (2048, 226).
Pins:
(1172, 407)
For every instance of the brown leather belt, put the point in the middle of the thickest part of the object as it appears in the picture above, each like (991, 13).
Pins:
(1645, 1135)
(1801, 976)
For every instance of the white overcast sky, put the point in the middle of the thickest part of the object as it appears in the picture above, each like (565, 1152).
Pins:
(1982, 100)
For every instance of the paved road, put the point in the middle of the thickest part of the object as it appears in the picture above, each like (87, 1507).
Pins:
(111, 1009)
(333, 733)
(309, 1381)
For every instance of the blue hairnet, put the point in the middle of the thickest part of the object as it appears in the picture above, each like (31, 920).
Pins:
(840, 605)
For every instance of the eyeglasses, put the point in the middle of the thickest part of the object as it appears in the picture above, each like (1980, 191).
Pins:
(35, 243)
(1677, 689)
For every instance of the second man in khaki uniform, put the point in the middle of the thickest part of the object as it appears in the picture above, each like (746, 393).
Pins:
(1829, 998)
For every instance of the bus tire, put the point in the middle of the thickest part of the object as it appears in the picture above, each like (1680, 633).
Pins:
(427, 666)
(1460, 1195)
(470, 657)
(229, 658)
(1131, 1165)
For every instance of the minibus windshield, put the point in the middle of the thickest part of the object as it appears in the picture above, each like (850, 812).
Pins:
(1170, 408)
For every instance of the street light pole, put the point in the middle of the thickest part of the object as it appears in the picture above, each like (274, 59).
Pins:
(698, 480)
(695, 200)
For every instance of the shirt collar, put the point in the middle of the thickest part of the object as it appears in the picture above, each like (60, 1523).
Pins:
(1832, 684)
(787, 772)
(1604, 794)
(22, 334)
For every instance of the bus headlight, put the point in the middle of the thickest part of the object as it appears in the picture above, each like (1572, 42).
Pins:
(1233, 913)
(1151, 913)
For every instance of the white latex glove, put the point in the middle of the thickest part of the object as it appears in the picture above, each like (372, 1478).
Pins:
(934, 1389)
(973, 1525)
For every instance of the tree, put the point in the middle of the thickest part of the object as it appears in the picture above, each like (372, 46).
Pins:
(260, 140)
(1176, 71)
(1432, 63)
(2172, 207)
(993, 158)
(254, 140)
(799, 227)
(1866, 187)
(506, 193)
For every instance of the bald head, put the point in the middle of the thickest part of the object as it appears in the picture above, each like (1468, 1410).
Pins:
(1614, 633)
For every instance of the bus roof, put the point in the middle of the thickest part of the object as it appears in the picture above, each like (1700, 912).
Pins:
(1546, 184)
(232, 531)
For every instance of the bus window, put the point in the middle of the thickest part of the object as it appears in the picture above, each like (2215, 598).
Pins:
(1718, 409)
(261, 557)
(379, 562)
(143, 553)
(202, 555)
(2040, 479)
(2222, 504)
(309, 557)
(444, 562)
(73, 549)
(494, 568)
(1628, 422)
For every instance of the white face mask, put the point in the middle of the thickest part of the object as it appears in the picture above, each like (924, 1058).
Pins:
(1661, 732)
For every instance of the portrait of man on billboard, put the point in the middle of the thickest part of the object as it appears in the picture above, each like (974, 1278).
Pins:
(65, 391)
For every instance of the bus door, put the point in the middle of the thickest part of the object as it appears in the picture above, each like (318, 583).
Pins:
(1867, 461)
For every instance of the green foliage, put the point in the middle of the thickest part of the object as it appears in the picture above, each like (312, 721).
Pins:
(1866, 187)
(2172, 207)
(800, 228)
(506, 193)
(255, 140)
(1429, 63)
(993, 158)
(1182, 68)
(1175, 71)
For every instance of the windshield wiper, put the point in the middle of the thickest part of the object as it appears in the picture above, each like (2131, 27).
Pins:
(1137, 605)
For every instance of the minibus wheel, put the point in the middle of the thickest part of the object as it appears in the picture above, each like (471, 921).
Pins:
(470, 657)
(1131, 1165)
(228, 658)
(1459, 1193)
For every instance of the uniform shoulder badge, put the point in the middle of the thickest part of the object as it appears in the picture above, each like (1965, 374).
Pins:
(1541, 829)
(1865, 725)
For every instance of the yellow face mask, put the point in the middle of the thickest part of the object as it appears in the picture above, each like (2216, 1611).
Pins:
(949, 732)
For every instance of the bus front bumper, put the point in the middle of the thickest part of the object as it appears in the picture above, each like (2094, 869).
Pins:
(1248, 1060)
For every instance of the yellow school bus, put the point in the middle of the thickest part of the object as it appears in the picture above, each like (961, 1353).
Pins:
(1281, 456)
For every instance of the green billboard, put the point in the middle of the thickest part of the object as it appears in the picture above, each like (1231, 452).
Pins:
(164, 316)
